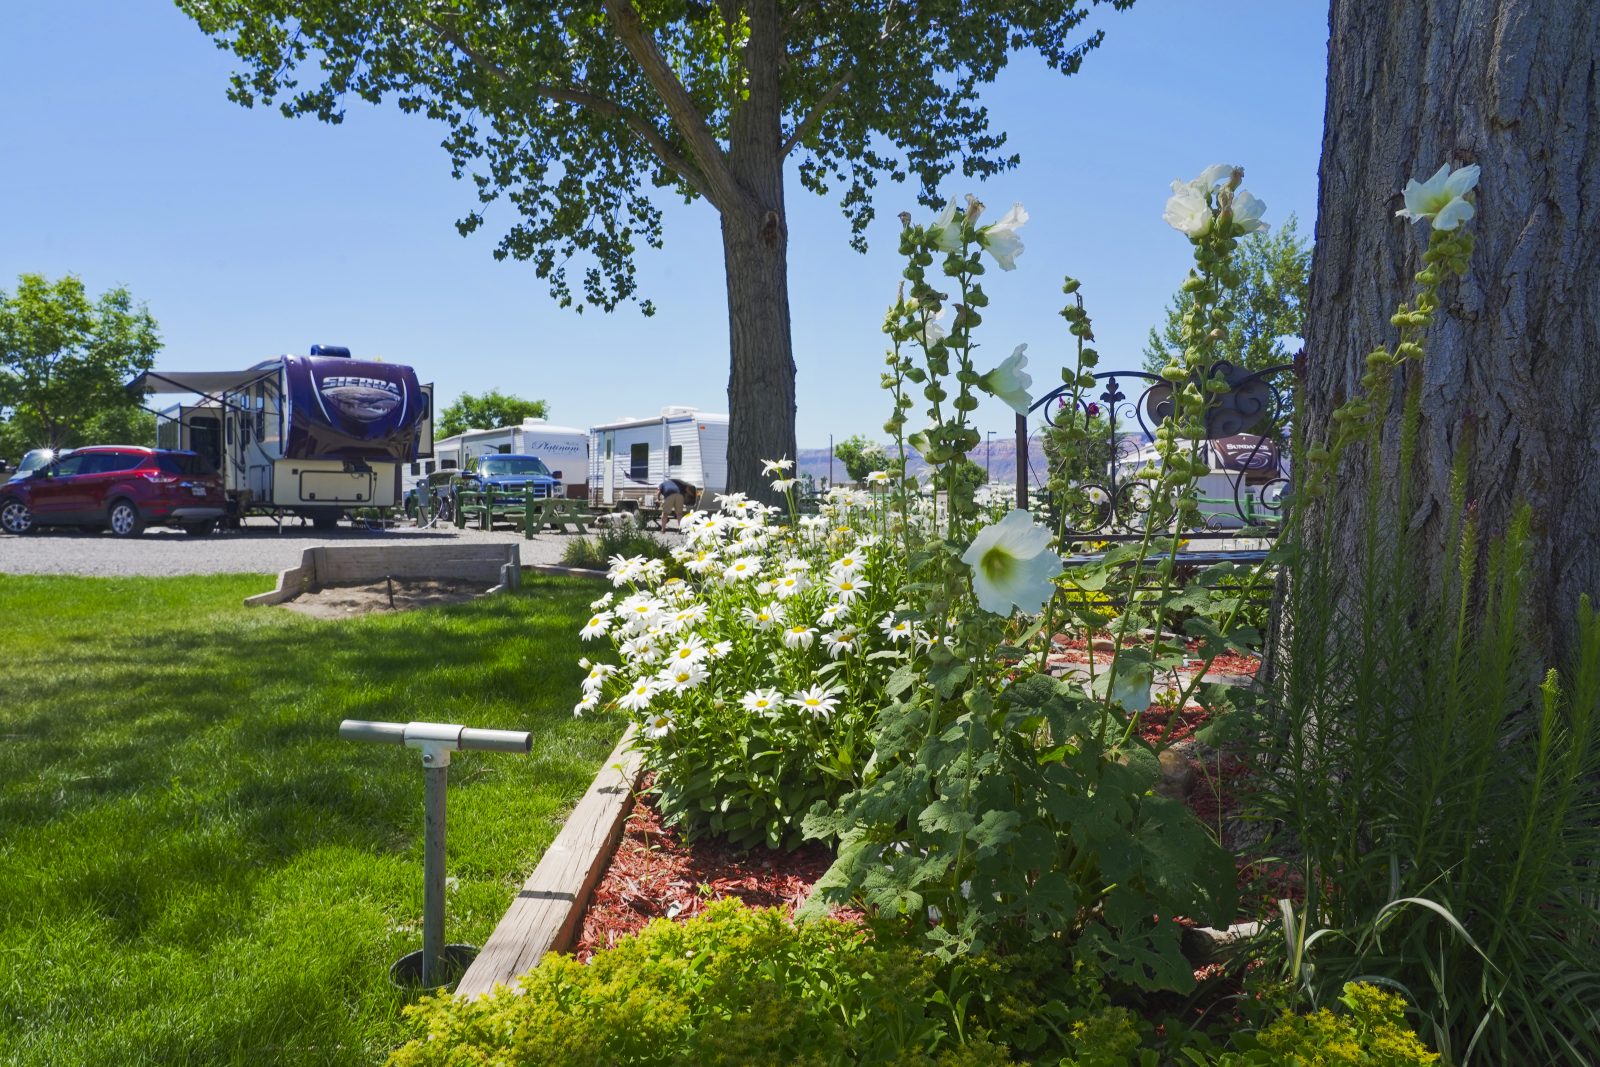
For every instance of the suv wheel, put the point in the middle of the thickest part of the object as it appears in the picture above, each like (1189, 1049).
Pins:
(123, 519)
(15, 516)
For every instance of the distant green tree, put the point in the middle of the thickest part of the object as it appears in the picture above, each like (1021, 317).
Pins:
(486, 411)
(64, 362)
(1268, 305)
(860, 457)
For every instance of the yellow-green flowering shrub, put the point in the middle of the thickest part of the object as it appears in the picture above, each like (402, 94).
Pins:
(732, 986)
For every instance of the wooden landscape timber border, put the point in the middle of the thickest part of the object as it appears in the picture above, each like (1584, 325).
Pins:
(498, 564)
(546, 913)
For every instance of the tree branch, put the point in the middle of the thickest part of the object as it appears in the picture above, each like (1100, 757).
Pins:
(642, 127)
(808, 125)
(680, 106)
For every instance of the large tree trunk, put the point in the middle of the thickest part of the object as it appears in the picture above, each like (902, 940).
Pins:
(1512, 85)
(755, 244)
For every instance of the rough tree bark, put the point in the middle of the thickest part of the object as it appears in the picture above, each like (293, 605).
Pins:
(1514, 86)
(755, 245)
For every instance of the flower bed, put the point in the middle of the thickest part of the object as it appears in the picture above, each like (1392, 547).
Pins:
(655, 873)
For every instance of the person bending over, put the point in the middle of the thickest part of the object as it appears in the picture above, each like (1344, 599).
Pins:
(675, 495)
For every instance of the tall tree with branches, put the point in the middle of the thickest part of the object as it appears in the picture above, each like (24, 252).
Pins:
(576, 113)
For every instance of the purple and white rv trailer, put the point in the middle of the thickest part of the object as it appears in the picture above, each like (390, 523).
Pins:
(312, 435)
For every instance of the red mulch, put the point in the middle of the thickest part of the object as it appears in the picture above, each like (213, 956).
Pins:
(656, 874)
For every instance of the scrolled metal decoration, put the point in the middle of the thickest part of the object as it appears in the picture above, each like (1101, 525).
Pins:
(1244, 426)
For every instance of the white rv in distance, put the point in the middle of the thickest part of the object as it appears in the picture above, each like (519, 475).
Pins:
(629, 458)
(564, 449)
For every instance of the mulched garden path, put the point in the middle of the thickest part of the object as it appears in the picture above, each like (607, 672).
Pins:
(656, 874)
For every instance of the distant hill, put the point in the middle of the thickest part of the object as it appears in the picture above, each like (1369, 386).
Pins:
(998, 455)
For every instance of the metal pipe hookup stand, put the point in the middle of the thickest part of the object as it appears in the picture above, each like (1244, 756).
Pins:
(437, 964)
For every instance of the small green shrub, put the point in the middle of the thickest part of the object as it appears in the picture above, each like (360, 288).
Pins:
(624, 538)
(732, 986)
(1371, 1032)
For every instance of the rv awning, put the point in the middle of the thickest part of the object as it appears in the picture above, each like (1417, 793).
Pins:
(205, 382)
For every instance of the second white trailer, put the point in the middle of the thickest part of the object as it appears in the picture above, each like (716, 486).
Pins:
(629, 458)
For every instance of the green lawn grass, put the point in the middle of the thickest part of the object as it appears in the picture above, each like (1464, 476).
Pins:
(194, 869)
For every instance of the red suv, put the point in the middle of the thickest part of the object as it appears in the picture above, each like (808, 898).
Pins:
(120, 488)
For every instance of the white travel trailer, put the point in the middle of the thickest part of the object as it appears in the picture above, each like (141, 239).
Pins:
(629, 458)
(564, 449)
(309, 435)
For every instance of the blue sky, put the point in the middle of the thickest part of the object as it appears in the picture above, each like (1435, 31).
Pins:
(249, 234)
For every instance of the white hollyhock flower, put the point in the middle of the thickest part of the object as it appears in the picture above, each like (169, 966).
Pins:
(816, 700)
(597, 625)
(1001, 238)
(1213, 175)
(1442, 198)
(1010, 381)
(1188, 210)
(931, 332)
(1012, 564)
(799, 636)
(761, 701)
(639, 695)
(775, 466)
(946, 229)
(1247, 212)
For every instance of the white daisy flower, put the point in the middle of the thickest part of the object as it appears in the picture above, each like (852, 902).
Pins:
(604, 601)
(639, 696)
(848, 563)
(799, 636)
(742, 568)
(679, 677)
(598, 625)
(790, 584)
(840, 641)
(833, 613)
(658, 724)
(589, 702)
(720, 649)
(692, 650)
(796, 565)
(783, 485)
(818, 701)
(878, 478)
(896, 630)
(764, 618)
(597, 677)
(776, 466)
(846, 587)
(761, 701)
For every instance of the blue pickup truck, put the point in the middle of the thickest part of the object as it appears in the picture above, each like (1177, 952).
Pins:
(509, 477)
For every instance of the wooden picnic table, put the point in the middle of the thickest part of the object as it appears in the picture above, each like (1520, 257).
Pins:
(557, 513)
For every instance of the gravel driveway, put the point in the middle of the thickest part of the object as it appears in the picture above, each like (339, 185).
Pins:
(257, 549)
